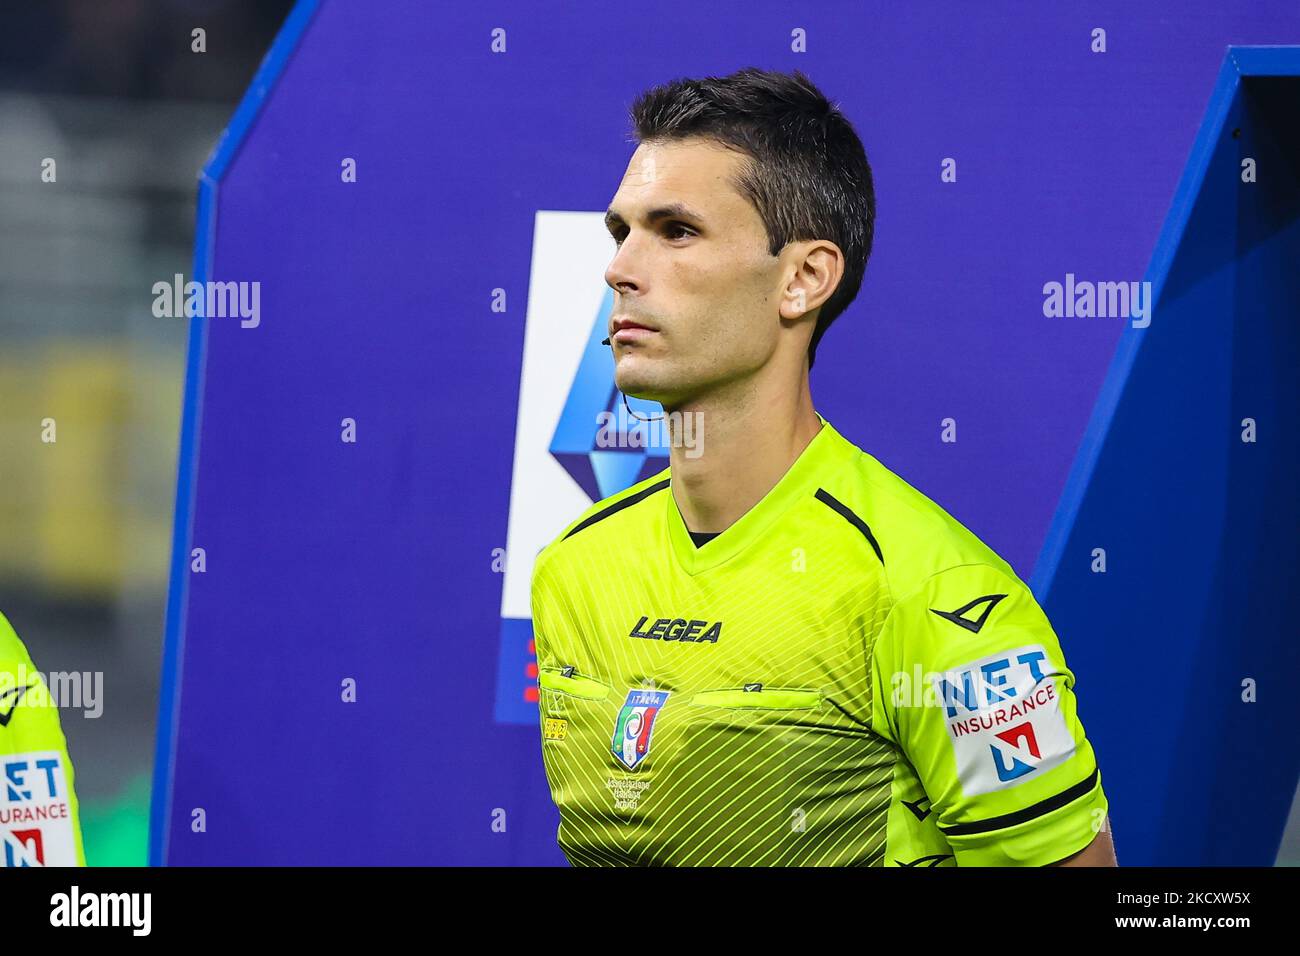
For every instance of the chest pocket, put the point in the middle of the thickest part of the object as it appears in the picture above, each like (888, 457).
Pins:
(768, 698)
(574, 685)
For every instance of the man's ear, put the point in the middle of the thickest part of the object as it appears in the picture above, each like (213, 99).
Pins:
(818, 269)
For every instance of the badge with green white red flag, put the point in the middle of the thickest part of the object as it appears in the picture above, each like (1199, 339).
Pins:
(635, 723)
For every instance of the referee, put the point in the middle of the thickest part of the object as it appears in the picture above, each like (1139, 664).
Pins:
(776, 652)
(40, 823)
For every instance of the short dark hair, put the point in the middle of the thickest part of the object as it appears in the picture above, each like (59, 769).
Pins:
(807, 175)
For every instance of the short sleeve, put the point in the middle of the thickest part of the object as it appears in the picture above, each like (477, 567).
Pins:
(38, 804)
(971, 683)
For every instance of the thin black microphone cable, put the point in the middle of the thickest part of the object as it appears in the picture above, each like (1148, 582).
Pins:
(624, 397)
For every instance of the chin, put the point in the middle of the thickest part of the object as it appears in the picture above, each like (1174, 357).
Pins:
(636, 380)
(660, 379)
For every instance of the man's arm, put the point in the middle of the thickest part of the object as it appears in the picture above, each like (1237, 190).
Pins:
(995, 736)
(39, 779)
(1100, 852)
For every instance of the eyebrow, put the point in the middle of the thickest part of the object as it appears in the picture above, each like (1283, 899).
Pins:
(675, 210)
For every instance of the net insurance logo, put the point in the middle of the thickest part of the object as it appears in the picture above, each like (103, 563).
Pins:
(574, 441)
(1004, 719)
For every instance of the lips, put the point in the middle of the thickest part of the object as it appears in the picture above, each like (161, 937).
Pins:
(626, 332)
(620, 324)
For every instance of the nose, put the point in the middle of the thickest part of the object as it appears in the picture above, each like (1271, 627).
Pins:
(619, 274)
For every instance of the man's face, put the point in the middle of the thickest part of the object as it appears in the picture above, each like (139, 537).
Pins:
(693, 268)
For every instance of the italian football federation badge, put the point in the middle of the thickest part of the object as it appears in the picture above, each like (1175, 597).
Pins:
(636, 721)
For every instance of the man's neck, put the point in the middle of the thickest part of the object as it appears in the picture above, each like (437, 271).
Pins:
(747, 446)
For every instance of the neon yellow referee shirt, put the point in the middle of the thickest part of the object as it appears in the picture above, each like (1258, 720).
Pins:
(40, 821)
(846, 676)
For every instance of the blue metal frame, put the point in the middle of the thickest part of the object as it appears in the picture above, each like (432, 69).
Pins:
(223, 154)
(1240, 61)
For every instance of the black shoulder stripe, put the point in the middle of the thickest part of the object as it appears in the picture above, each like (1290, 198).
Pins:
(619, 506)
(1069, 795)
(825, 497)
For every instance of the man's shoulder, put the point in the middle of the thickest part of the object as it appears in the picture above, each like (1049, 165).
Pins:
(616, 515)
(12, 650)
(916, 536)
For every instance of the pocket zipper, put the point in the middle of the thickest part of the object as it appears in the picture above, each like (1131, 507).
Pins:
(587, 688)
(777, 698)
